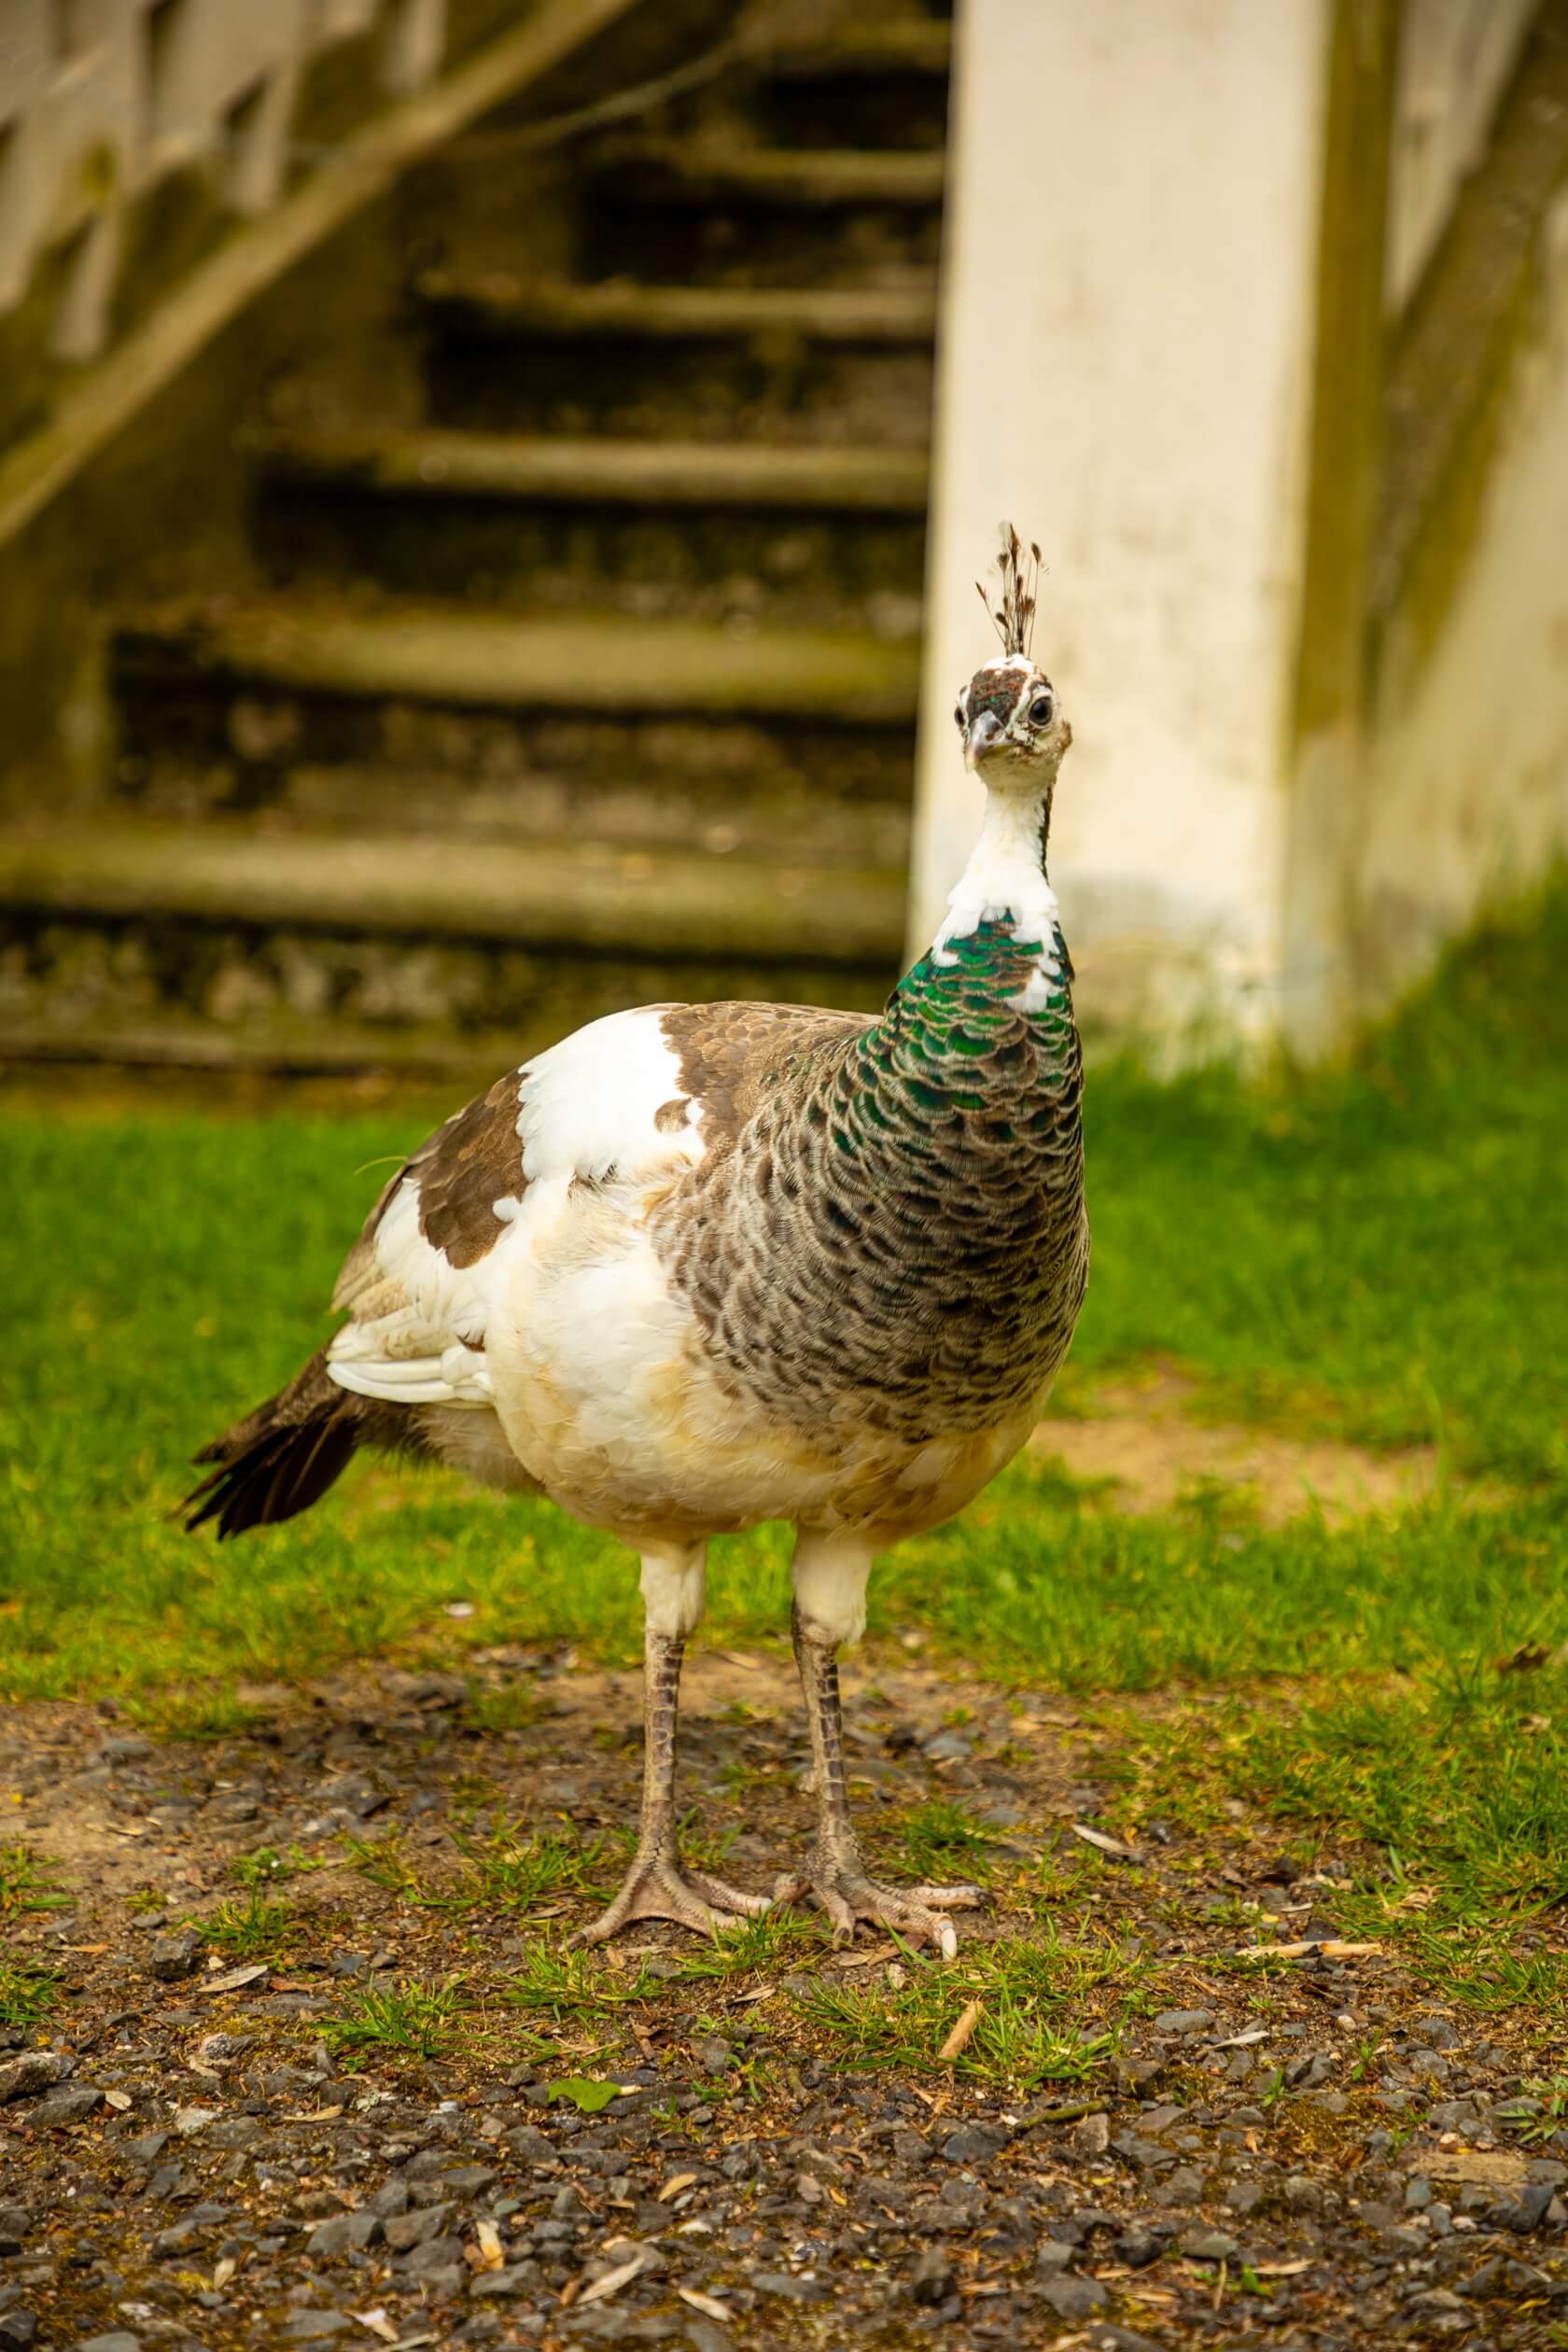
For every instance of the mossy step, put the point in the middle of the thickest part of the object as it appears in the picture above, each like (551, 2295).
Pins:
(564, 896)
(601, 471)
(634, 667)
(706, 170)
(903, 45)
(495, 304)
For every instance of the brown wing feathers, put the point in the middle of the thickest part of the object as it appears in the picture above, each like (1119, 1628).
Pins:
(283, 1457)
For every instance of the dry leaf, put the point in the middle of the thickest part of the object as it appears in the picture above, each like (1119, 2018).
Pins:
(672, 2187)
(1102, 1844)
(612, 2281)
(868, 1959)
(233, 1980)
(223, 2271)
(315, 2115)
(1524, 1660)
(962, 2034)
(709, 2305)
(491, 2257)
(758, 1992)
(1280, 2269)
(119, 2100)
(1242, 2041)
(378, 2324)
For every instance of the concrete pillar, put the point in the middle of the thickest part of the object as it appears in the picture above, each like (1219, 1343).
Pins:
(1125, 370)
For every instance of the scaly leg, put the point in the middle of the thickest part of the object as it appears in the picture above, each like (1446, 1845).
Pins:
(655, 1886)
(830, 1608)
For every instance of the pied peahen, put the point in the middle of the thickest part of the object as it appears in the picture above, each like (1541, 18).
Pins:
(701, 1265)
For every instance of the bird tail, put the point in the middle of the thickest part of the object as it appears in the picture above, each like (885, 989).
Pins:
(283, 1457)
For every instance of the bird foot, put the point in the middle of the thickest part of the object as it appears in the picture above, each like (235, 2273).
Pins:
(847, 1893)
(655, 1888)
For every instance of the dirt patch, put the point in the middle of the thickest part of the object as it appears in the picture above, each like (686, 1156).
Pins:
(1144, 1439)
(1197, 2151)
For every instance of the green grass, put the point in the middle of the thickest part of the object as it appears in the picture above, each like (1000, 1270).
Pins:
(405, 2021)
(1446, 1802)
(1051, 2010)
(28, 1884)
(258, 1927)
(28, 1996)
(1374, 1253)
(1375, 1250)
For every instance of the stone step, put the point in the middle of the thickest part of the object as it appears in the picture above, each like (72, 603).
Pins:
(228, 993)
(713, 211)
(866, 84)
(818, 535)
(845, 366)
(573, 665)
(638, 733)
(697, 173)
(565, 897)
(225, 947)
(868, 50)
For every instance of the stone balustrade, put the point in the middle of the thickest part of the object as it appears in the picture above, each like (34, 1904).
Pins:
(103, 101)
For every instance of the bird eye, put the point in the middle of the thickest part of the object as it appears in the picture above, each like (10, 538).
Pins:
(1039, 711)
(958, 715)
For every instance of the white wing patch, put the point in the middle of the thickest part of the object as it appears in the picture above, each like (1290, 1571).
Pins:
(586, 1110)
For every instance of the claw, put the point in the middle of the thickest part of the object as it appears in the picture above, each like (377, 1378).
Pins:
(848, 1894)
(656, 1889)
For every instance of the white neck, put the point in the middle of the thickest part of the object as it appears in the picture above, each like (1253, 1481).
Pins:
(1003, 880)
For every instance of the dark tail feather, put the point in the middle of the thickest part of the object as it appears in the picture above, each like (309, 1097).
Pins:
(282, 1458)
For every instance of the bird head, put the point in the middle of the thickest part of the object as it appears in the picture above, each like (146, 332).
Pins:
(1012, 725)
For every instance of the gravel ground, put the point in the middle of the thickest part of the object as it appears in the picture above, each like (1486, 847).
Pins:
(1311, 2154)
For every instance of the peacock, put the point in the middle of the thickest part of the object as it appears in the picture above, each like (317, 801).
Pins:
(703, 1266)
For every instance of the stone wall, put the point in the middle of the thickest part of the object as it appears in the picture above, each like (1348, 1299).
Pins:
(1258, 330)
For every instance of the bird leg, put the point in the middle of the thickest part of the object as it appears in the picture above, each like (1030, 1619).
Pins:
(655, 1886)
(835, 1871)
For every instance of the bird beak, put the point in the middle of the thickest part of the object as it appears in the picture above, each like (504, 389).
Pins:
(982, 735)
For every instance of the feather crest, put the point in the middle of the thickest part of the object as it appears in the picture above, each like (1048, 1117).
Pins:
(1013, 617)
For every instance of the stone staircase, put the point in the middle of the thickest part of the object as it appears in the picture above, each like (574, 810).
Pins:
(594, 682)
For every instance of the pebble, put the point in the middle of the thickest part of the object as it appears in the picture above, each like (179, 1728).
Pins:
(344, 2233)
(1523, 2213)
(70, 2104)
(35, 2070)
(976, 2143)
(788, 2287)
(1074, 2298)
(931, 2277)
(175, 1955)
(405, 2229)
(1184, 2021)
(1210, 2246)
(18, 2328)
